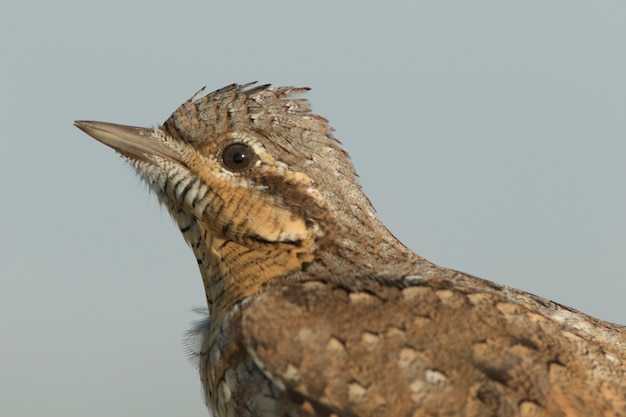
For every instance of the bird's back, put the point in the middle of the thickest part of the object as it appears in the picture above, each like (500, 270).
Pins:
(445, 344)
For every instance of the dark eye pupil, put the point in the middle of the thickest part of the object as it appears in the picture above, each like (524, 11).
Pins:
(237, 157)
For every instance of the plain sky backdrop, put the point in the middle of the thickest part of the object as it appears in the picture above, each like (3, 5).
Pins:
(490, 136)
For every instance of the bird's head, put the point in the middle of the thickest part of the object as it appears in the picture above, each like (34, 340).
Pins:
(256, 183)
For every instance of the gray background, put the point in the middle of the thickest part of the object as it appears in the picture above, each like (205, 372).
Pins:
(490, 136)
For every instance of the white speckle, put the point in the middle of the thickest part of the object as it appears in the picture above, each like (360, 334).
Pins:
(478, 298)
(356, 393)
(306, 336)
(612, 358)
(398, 335)
(370, 340)
(436, 378)
(225, 392)
(416, 386)
(406, 357)
(361, 298)
(216, 355)
(413, 279)
(448, 296)
(567, 317)
(336, 347)
(292, 373)
(528, 408)
(231, 379)
(413, 293)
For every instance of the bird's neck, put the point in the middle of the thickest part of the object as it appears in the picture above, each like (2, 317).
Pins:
(342, 251)
(361, 247)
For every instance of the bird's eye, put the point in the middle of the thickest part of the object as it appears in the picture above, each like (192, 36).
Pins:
(238, 157)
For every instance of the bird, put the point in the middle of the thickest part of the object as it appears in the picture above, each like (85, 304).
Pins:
(316, 309)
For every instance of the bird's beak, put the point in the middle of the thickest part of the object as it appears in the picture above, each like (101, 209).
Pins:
(133, 142)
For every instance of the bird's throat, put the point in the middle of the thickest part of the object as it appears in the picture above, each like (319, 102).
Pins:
(232, 271)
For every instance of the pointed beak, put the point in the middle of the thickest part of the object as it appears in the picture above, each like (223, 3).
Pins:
(133, 142)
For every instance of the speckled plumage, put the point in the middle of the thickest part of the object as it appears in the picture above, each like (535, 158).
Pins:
(316, 309)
